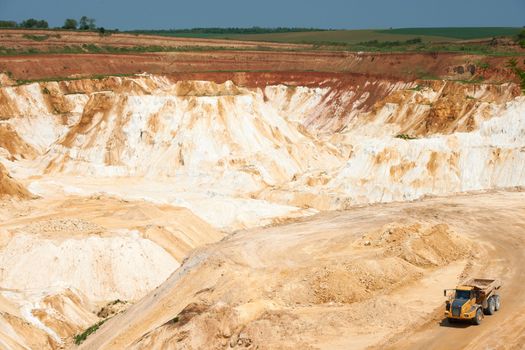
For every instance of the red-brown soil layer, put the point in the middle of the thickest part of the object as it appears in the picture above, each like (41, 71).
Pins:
(407, 66)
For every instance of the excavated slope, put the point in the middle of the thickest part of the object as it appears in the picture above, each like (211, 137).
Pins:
(188, 161)
(240, 157)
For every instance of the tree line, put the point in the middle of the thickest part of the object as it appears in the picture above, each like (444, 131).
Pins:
(251, 30)
(28, 23)
(226, 31)
(84, 23)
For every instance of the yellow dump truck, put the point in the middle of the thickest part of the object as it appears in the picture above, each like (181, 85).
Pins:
(472, 299)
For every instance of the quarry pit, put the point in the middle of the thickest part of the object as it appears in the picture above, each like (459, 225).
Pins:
(245, 201)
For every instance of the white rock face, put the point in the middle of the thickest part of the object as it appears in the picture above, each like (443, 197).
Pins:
(391, 170)
(240, 157)
(159, 135)
(103, 268)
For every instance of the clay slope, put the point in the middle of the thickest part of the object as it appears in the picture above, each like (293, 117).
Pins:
(10, 188)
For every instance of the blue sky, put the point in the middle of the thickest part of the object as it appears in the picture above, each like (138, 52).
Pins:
(351, 14)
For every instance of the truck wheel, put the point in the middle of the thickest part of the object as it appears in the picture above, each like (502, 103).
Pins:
(478, 317)
(497, 302)
(491, 307)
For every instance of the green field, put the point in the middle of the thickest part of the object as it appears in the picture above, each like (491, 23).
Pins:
(457, 33)
(335, 36)
(352, 37)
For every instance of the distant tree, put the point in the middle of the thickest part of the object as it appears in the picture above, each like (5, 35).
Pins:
(70, 23)
(42, 24)
(86, 23)
(33, 23)
(83, 23)
(103, 32)
(29, 23)
(8, 24)
(222, 31)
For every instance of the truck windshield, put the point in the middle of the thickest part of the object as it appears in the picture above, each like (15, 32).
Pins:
(463, 294)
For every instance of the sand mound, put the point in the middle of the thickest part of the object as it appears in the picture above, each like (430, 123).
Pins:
(10, 188)
(353, 281)
(390, 257)
(419, 245)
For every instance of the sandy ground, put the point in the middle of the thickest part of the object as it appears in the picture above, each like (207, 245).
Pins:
(319, 283)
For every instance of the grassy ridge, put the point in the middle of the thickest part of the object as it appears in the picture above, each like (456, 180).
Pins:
(298, 35)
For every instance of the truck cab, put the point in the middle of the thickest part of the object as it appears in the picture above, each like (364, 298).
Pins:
(463, 304)
(472, 300)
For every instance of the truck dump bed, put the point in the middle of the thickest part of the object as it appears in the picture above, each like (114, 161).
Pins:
(486, 285)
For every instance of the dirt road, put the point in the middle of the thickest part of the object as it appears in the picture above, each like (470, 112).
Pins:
(504, 330)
